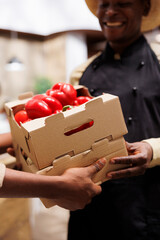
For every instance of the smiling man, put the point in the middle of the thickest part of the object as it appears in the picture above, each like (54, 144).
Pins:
(120, 25)
(128, 208)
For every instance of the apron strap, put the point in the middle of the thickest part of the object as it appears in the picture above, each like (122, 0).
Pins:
(78, 72)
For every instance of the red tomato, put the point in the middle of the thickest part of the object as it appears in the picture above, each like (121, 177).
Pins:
(79, 129)
(64, 92)
(48, 92)
(70, 92)
(60, 96)
(52, 102)
(57, 111)
(75, 103)
(39, 96)
(58, 86)
(21, 116)
(37, 108)
(83, 99)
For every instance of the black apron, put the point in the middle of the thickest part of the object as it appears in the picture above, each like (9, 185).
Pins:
(129, 208)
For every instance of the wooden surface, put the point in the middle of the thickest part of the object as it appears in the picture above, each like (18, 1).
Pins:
(14, 219)
(14, 212)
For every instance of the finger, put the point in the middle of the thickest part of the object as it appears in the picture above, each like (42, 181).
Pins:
(125, 173)
(131, 148)
(127, 144)
(130, 160)
(97, 190)
(96, 167)
(11, 151)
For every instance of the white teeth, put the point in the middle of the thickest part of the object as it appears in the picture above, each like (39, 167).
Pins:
(113, 24)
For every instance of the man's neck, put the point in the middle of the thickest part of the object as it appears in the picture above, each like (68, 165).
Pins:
(119, 47)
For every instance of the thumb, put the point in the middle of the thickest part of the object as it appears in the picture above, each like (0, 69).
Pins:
(128, 145)
(96, 167)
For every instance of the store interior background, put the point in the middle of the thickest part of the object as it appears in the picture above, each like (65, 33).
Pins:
(41, 43)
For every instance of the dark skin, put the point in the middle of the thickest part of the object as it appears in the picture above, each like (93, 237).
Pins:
(138, 159)
(6, 143)
(118, 22)
(121, 28)
(73, 190)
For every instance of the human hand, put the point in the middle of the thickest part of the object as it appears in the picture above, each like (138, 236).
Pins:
(5, 142)
(11, 151)
(78, 188)
(138, 159)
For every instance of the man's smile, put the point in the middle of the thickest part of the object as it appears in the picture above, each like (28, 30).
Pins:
(113, 24)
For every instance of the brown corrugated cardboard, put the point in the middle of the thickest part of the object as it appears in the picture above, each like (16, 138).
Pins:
(43, 146)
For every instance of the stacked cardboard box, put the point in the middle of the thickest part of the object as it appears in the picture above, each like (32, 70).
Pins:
(44, 147)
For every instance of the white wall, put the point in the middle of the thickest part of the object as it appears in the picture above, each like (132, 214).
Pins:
(46, 16)
(76, 52)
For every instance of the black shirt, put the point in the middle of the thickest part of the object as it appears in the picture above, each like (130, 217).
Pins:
(127, 209)
(135, 78)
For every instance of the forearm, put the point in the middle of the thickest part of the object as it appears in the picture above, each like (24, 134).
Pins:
(72, 190)
(22, 184)
(5, 141)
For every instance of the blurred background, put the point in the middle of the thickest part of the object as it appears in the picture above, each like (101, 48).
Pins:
(41, 43)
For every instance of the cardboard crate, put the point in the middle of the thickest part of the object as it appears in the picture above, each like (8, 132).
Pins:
(43, 147)
(105, 148)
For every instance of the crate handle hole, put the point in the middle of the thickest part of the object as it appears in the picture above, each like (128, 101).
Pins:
(79, 128)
